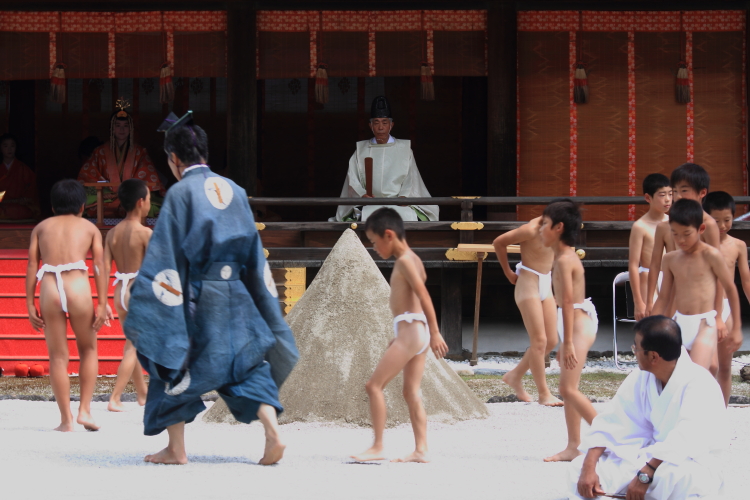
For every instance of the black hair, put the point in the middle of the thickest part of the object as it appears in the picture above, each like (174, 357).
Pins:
(7, 136)
(130, 191)
(67, 197)
(385, 218)
(695, 175)
(661, 335)
(565, 211)
(654, 182)
(189, 143)
(718, 200)
(687, 213)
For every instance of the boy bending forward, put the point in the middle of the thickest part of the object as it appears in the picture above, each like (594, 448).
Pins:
(62, 243)
(126, 244)
(577, 321)
(692, 271)
(415, 328)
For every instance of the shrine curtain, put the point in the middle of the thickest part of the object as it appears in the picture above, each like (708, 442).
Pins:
(632, 125)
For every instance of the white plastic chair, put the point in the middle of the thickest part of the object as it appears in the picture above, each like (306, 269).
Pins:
(621, 280)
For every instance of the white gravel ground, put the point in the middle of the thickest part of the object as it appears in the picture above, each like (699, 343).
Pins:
(495, 365)
(499, 457)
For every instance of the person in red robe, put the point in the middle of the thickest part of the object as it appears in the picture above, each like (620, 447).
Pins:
(18, 183)
(119, 160)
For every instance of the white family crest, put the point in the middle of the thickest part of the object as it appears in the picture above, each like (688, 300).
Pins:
(167, 288)
(218, 191)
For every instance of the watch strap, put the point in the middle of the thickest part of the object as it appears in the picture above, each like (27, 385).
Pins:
(650, 466)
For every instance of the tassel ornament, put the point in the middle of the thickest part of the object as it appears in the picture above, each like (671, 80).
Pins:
(57, 84)
(321, 85)
(166, 86)
(682, 87)
(580, 85)
(428, 87)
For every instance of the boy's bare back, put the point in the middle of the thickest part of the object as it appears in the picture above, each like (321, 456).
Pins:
(694, 276)
(403, 299)
(64, 239)
(127, 243)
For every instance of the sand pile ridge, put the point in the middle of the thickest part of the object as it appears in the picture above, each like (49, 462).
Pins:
(342, 325)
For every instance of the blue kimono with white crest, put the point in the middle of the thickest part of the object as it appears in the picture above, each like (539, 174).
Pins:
(204, 313)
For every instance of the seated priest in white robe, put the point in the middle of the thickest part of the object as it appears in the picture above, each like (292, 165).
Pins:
(394, 172)
(662, 436)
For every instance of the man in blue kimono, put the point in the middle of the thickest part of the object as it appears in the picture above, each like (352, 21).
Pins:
(204, 313)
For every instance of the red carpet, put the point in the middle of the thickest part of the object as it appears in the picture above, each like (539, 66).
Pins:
(19, 342)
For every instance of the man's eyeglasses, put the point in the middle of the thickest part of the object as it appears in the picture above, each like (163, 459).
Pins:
(637, 349)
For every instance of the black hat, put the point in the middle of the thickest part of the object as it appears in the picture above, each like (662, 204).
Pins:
(171, 122)
(380, 108)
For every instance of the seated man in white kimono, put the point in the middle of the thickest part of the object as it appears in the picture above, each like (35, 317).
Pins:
(662, 435)
(394, 172)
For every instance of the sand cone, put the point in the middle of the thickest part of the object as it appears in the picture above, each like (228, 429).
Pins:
(580, 85)
(166, 87)
(682, 87)
(321, 85)
(428, 86)
(57, 84)
(342, 325)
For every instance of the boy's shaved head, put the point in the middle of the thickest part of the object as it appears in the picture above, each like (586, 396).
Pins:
(67, 197)
(385, 218)
(695, 175)
(654, 182)
(688, 213)
(718, 200)
(130, 191)
(565, 211)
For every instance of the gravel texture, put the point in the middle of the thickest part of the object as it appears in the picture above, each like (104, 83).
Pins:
(497, 457)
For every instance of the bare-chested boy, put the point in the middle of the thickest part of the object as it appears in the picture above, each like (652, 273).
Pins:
(416, 331)
(533, 294)
(577, 321)
(658, 194)
(692, 271)
(720, 206)
(62, 243)
(126, 243)
(689, 181)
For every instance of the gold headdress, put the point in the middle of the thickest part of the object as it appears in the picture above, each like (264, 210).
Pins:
(121, 114)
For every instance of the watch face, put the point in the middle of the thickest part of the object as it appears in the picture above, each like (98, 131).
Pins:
(644, 478)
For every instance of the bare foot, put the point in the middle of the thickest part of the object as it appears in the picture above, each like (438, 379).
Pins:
(567, 455)
(517, 385)
(551, 401)
(167, 456)
(274, 451)
(87, 421)
(64, 427)
(369, 455)
(417, 456)
(115, 406)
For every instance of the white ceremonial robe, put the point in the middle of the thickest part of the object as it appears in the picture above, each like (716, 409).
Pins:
(684, 425)
(394, 174)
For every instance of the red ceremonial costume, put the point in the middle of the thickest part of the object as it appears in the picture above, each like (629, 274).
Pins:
(21, 200)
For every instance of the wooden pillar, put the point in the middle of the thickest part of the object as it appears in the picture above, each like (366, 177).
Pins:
(242, 124)
(501, 99)
(450, 310)
(747, 91)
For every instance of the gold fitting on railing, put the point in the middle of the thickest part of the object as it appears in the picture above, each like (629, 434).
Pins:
(354, 225)
(467, 226)
(581, 253)
(456, 254)
(581, 225)
(465, 197)
(260, 226)
(265, 252)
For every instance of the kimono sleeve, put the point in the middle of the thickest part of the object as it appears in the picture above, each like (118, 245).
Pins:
(260, 284)
(157, 314)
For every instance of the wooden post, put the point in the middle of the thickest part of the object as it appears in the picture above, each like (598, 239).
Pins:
(242, 121)
(450, 311)
(501, 99)
(474, 345)
(99, 208)
(467, 215)
(368, 175)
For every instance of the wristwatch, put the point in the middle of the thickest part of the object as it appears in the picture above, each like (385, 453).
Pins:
(644, 478)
